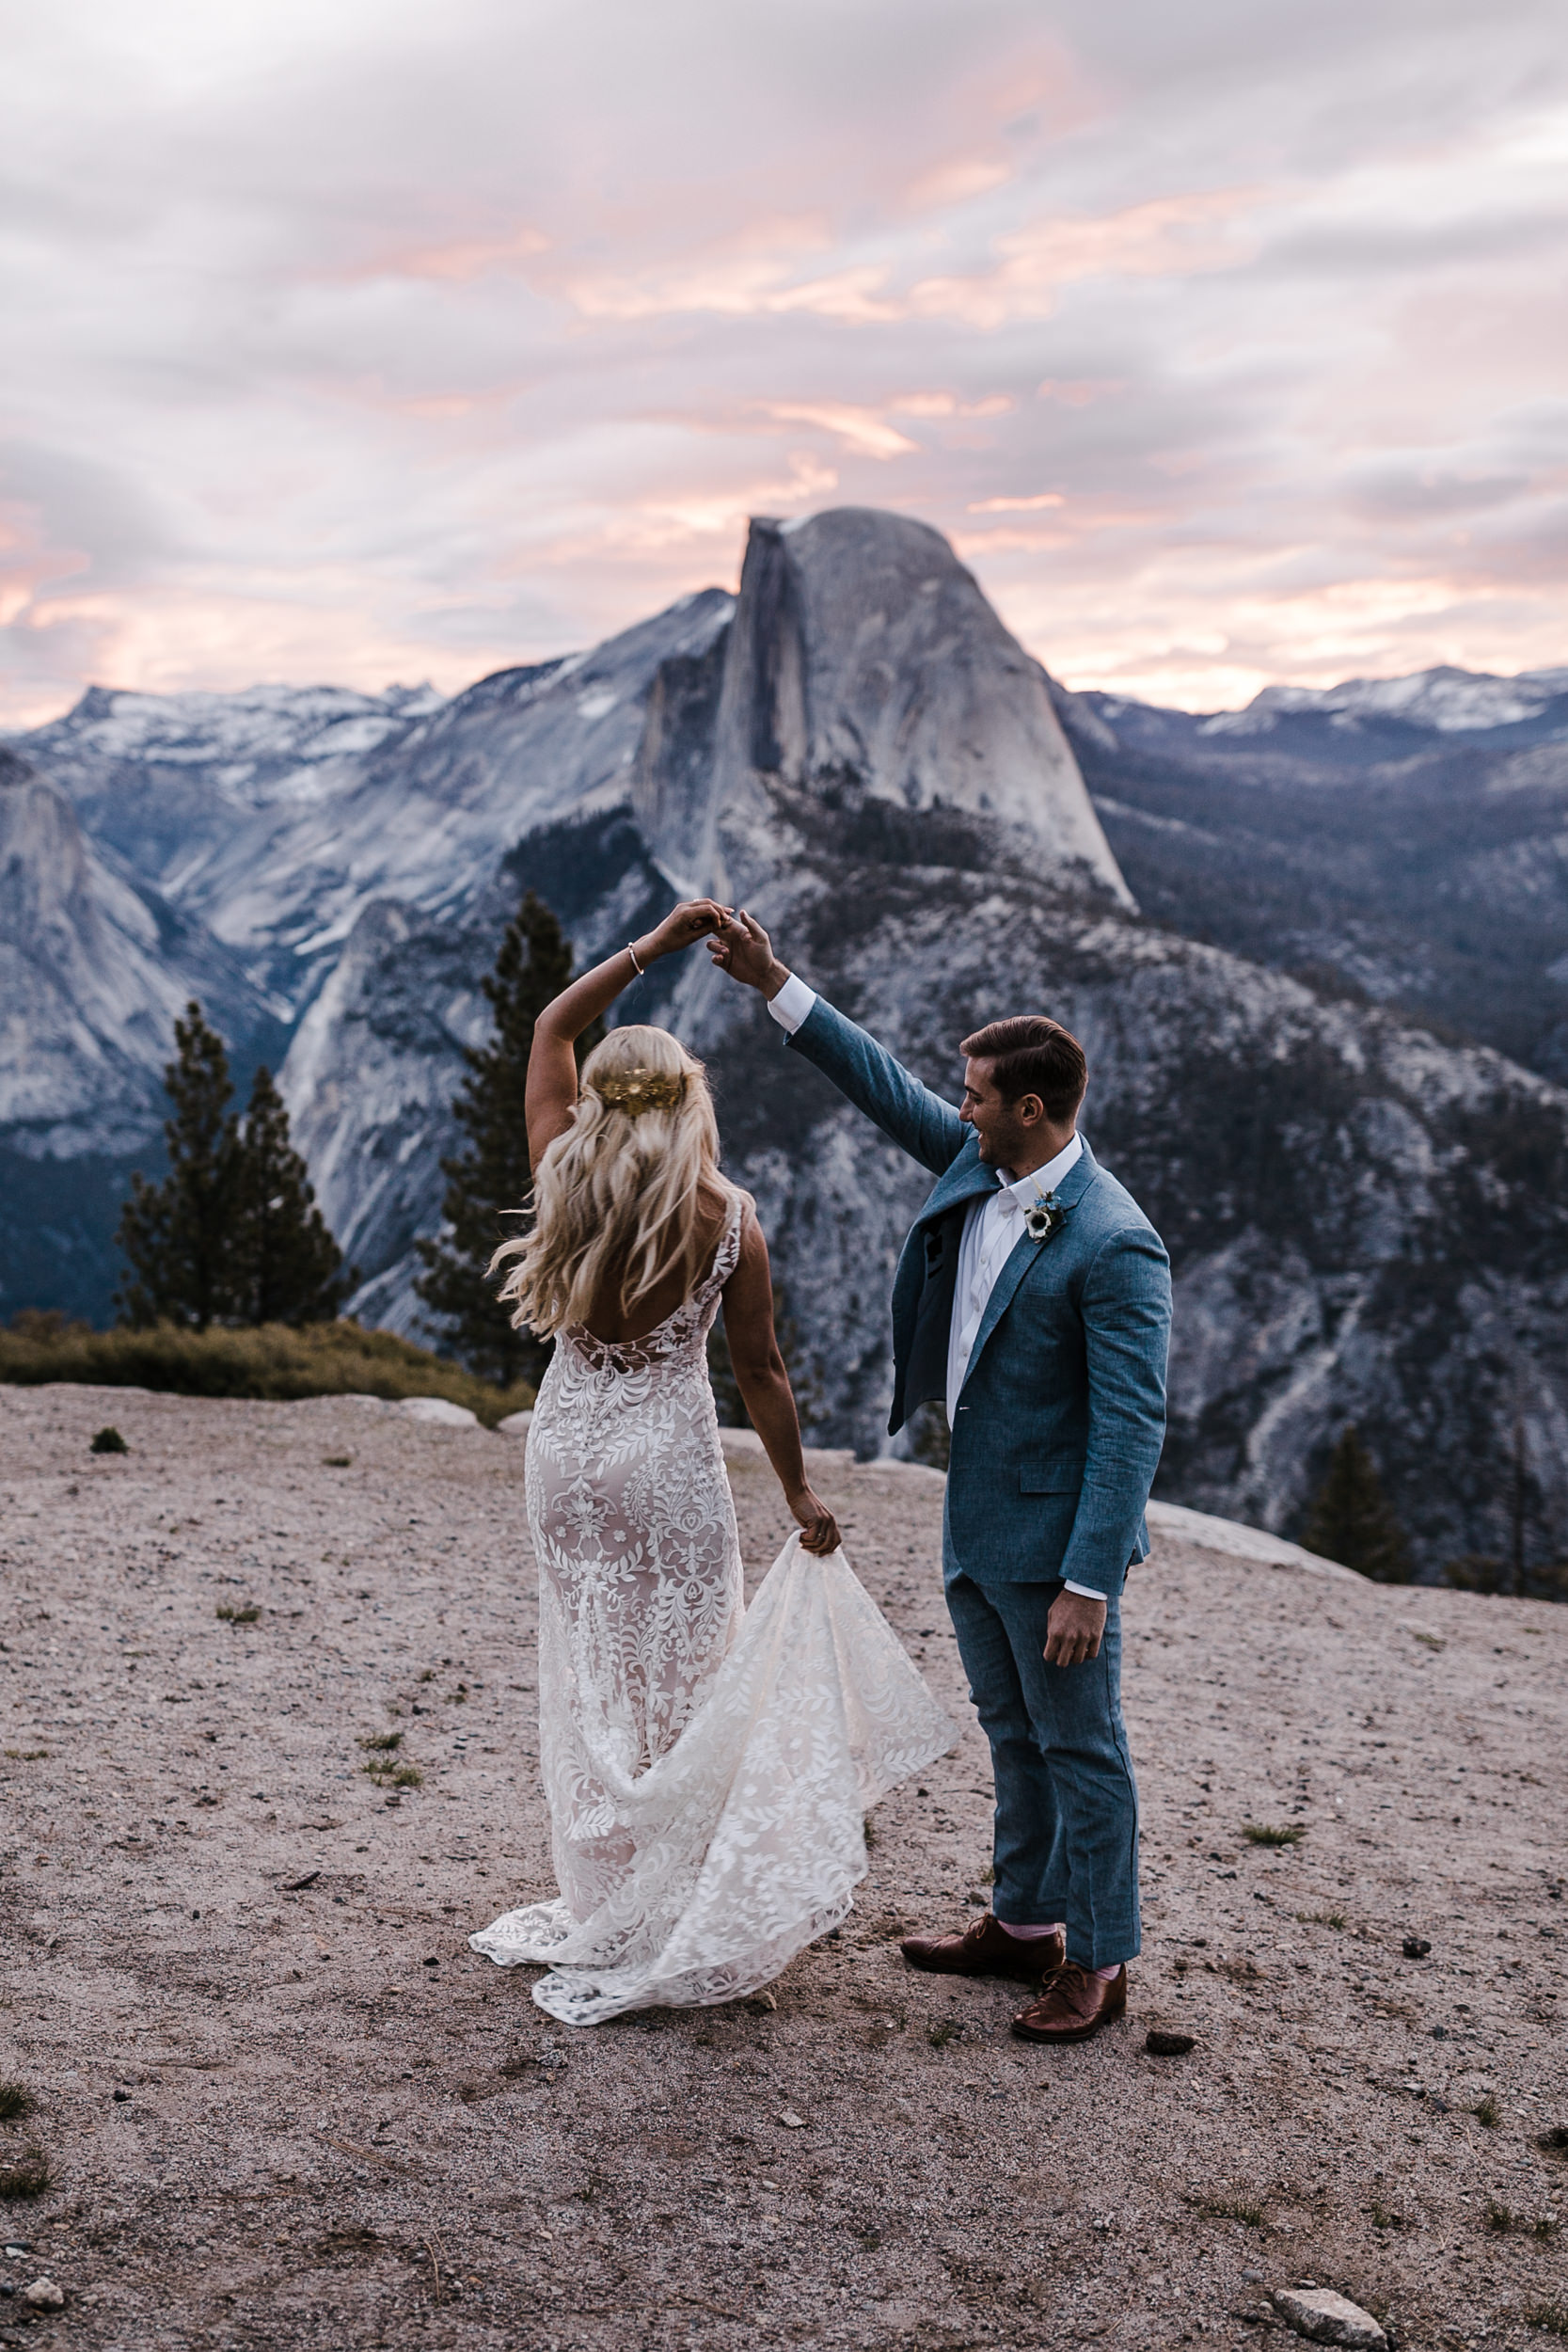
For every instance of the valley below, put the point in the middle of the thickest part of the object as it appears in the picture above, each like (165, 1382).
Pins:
(281, 2103)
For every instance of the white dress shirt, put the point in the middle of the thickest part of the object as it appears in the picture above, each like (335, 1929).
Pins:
(992, 1229)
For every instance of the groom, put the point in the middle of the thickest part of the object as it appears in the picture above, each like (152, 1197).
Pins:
(1033, 1296)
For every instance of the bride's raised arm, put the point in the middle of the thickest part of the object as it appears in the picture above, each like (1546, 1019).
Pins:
(552, 1066)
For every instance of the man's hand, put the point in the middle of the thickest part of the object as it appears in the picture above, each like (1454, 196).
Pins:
(1072, 1629)
(743, 950)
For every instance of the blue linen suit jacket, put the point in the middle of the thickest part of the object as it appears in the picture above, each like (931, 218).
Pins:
(1062, 1413)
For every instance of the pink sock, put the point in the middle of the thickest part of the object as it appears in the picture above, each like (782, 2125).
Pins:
(1106, 1975)
(1048, 1926)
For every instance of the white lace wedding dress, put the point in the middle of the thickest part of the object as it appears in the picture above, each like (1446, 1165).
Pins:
(707, 1767)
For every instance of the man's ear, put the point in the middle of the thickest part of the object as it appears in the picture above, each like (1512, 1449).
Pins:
(1028, 1110)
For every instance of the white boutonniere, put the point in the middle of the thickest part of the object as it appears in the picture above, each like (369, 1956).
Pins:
(1041, 1220)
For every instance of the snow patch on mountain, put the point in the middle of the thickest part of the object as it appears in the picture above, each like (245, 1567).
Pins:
(1450, 701)
(257, 745)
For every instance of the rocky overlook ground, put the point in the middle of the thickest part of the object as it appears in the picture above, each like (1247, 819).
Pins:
(283, 2105)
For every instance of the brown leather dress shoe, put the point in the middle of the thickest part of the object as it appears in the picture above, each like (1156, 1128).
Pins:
(1074, 2005)
(985, 1950)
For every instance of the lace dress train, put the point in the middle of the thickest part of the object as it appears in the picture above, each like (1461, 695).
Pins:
(707, 1767)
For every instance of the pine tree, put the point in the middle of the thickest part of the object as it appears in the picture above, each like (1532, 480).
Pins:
(1352, 1521)
(179, 1236)
(291, 1268)
(489, 1179)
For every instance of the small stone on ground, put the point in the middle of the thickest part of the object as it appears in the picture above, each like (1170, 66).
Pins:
(1325, 2318)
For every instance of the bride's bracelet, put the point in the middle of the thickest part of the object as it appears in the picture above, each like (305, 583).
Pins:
(637, 967)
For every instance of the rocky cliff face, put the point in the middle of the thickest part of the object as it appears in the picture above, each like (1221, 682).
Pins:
(92, 973)
(1366, 1223)
(94, 968)
(866, 672)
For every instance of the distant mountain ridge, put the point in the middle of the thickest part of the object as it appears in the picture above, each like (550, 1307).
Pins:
(1365, 1221)
(1399, 841)
(1453, 702)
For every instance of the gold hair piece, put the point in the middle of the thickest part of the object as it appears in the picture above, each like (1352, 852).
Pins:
(637, 1090)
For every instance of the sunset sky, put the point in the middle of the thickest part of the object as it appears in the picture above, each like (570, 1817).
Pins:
(376, 339)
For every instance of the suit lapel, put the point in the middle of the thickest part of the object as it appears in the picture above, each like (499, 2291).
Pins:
(1069, 1192)
(1000, 1298)
(967, 1178)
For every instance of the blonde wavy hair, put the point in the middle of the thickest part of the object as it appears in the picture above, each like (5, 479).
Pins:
(616, 1197)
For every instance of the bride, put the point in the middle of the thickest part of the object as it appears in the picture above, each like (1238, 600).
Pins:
(707, 1767)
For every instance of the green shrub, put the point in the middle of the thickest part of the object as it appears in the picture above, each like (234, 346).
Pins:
(1244, 2208)
(29, 2176)
(273, 1362)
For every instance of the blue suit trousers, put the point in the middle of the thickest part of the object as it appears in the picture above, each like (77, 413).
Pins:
(1067, 1803)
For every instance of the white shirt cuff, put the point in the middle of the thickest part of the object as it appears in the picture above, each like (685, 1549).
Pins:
(1088, 1590)
(793, 1002)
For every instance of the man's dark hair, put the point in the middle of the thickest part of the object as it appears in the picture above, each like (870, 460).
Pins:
(1029, 1054)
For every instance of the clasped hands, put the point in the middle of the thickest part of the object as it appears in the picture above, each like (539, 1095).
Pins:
(736, 941)
(693, 919)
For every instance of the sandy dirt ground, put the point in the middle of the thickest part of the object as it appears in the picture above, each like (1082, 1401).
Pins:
(283, 2105)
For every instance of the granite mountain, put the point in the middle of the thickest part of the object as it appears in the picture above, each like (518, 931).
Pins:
(1365, 1210)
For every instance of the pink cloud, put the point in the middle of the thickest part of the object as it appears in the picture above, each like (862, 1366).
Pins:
(1078, 393)
(1169, 236)
(957, 182)
(741, 286)
(1016, 506)
(861, 429)
(462, 260)
(948, 404)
